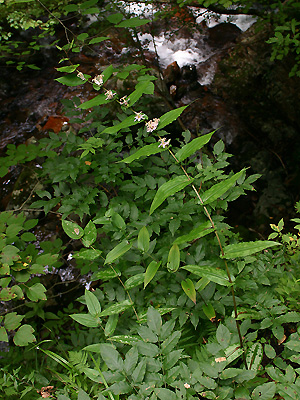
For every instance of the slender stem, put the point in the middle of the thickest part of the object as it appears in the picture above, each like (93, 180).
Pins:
(222, 252)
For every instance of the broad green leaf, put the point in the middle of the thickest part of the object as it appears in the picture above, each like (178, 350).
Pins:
(111, 324)
(120, 388)
(118, 251)
(200, 231)
(71, 80)
(143, 239)
(125, 339)
(143, 152)
(154, 320)
(189, 289)
(193, 146)
(115, 18)
(214, 275)
(82, 395)
(92, 303)
(165, 394)
(126, 123)
(171, 359)
(254, 356)
(266, 391)
(133, 22)
(73, 230)
(247, 248)
(173, 258)
(150, 272)
(168, 345)
(36, 292)
(134, 281)
(98, 39)
(46, 259)
(90, 234)
(116, 308)
(87, 254)
(82, 36)
(161, 310)
(118, 221)
(12, 321)
(147, 349)
(111, 357)
(105, 274)
(209, 311)
(96, 101)
(170, 116)
(219, 189)
(24, 335)
(169, 189)
(86, 319)
(140, 89)
(223, 336)
(9, 255)
(3, 334)
(139, 372)
(131, 360)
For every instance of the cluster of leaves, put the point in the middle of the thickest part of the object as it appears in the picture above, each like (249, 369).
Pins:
(145, 218)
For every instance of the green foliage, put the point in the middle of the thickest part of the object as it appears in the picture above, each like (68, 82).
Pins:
(145, 219)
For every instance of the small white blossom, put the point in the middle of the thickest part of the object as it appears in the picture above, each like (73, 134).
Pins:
(81, 76)
(98, 80)
(109, 95)
(152, 125)
(70, 256)
(139, 116)
(164, 143)
(124, 101)
(187, 386)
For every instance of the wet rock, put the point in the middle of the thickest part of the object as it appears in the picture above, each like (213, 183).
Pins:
(222, 34)
(172, 74)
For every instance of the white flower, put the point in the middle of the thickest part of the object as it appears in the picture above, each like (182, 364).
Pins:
(139, 116)
(152, 125)
(164, 143)
(187, 386)
(124, 101)
(109, 95)
(81, 76)
(98, 80)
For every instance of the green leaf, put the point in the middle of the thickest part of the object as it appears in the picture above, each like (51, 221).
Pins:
(111, 357)
(12, 321)
(170, 116)
(223, 336)
(134, 281)
(169, 189)
(82, 395)
(3, 334)
(28, 237)
(73, 230)
(118, 251)
(68, 68)
(247, 248)
(219, 189)
(125, 339)
(87, 254)
(126, 123)
(154, 320)
(139, 372)
(111, 324)
(201, 231)
(36, 292)
(266, 391)
(116, 308)
(209, 311)
(118, 221)
(214, 275)
(173, 258)
(115, 18)
(86, 320)
(143, 152)
(96, 101)
(105, 274)
(24, 335)
(133, 22)
(98, 39)
(169, 344)
(143, 239)
(92, 303)
(165, 394)
(189, 289)
(90, 234)
(193, 146)
(82, 36)
(131, 360)
(141, 88)
(71, 80)
(254, 356)
(150, 272)
(120, 388)
(147, 349)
